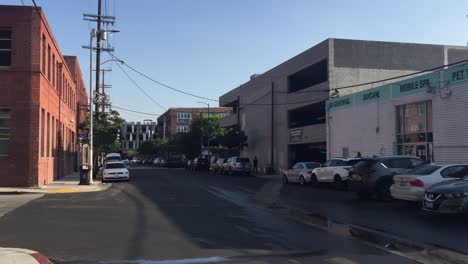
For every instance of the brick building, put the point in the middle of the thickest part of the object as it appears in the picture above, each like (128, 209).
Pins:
(40, 93)
(177, 120)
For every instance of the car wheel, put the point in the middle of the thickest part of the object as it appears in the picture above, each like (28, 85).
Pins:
(285, 179)
(338, 183)
(313, 180)
(302, 180)
(383, 191)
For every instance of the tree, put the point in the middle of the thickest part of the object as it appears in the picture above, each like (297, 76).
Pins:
(106, 130)
(233, 138)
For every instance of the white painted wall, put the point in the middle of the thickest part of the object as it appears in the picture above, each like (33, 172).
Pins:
(355, 127)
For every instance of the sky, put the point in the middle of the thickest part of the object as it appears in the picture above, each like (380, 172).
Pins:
(209, 47)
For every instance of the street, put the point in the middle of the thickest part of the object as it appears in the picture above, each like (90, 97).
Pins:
(168, 214)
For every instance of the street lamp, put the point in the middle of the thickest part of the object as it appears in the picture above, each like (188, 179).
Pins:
(208, 127)
(117, 60)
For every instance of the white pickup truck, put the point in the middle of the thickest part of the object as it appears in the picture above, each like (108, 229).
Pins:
(335, 170)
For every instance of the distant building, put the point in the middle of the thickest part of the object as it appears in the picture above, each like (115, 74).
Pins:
(41, 91)
(133, 134)
(178, 120)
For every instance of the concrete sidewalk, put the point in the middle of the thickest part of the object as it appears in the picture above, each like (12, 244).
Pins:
(22, 256)
(67, 184)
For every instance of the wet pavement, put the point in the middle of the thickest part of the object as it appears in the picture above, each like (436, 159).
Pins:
(184, 217)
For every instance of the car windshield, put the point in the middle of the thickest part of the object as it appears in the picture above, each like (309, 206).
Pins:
(312, 165)
(115, 166)
(424, 170)
(243, 160)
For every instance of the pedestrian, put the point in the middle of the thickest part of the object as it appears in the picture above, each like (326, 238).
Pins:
(255, 165)
(358, 155)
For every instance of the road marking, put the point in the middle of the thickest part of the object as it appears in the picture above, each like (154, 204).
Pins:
(339, 260)
(295, 261)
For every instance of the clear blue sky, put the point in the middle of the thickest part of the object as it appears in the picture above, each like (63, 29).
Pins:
(208, 47)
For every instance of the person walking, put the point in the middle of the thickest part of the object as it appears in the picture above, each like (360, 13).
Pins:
(255, 165)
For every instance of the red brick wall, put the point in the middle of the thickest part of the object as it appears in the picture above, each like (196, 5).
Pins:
(26, 90)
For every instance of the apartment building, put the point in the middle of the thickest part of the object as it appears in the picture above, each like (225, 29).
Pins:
(178, 120)
(133, 134)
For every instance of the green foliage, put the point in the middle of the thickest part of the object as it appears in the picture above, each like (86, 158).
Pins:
(106, 131)
(233, 138)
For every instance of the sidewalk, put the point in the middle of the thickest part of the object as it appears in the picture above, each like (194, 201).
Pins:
(67, 184)
(22, 256)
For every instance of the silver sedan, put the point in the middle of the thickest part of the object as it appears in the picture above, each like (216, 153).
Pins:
(301, 172)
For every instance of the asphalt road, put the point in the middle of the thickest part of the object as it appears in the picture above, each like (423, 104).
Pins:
(170, 214)
(400, 218)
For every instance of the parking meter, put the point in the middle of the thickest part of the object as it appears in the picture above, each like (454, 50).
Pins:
(85, 164)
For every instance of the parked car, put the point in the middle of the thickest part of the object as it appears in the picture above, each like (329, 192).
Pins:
(448, 197)
(334, 170)
(155, 161)
(189, 165)
(374, 176)
(201, 164)
(125, 161)
(135, 160)
(115, 170)
(236, 165)
(175, 162)
(411, 186)
(217, 167)
(112, 157)
(300, 172)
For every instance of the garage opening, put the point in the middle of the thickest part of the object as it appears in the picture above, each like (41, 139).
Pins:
(307, 152)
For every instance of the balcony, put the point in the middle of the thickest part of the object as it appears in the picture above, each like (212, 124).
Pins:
(228, 121)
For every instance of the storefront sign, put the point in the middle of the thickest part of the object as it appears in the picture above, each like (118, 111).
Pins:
(420, 84)
(340, 102)
(295, 135)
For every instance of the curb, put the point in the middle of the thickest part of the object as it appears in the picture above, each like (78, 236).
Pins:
(419, 252)
(22, 256)
(13, 191)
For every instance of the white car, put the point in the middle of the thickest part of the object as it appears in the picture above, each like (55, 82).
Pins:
(411, 186)
(335, 170)
(301, 172)
(115, 170)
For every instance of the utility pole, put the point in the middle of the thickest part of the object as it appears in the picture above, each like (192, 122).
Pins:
(103, 90)
(101, 34)
(272, 144)
(98, 50)
(208, 130)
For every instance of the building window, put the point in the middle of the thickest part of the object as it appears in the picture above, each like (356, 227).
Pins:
(42, 133)
(48, 135)
(48, 62)
(414, 130)
(184, 117)
(53, 137)
(53, 70)
(223, 114)
(43, 54)
(182, 129)
(4, 131)
(314, 74)
(5, 47)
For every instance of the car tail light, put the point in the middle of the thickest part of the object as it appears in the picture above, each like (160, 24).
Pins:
(417, 183)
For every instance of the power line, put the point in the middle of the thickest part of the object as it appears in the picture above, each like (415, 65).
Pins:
(254, 101)
(138, 86)
(132, 111)
(163, 84)
(22, 2)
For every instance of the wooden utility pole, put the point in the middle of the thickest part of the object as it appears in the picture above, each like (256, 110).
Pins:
(98, 50)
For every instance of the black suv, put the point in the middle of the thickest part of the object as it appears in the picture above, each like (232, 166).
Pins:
(374, 176)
